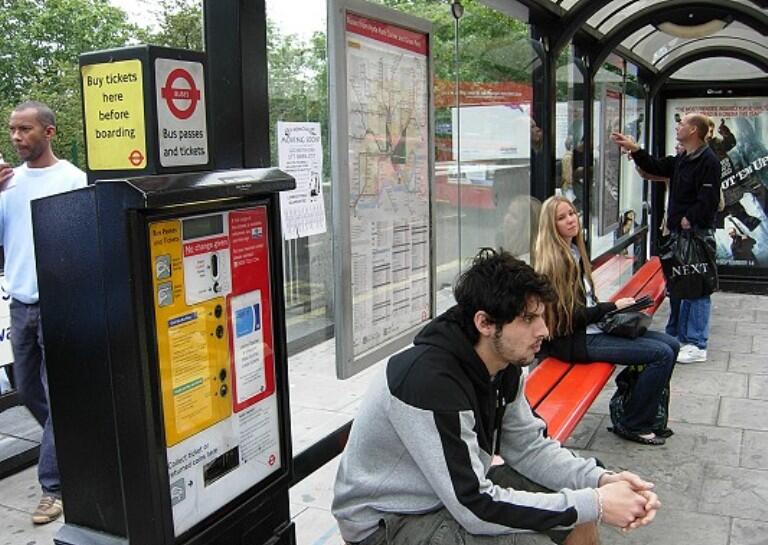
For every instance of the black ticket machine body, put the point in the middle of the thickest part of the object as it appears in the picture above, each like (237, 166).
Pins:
(162, 309)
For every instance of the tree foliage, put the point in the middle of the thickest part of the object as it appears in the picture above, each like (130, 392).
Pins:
(42, 40)
(180, 24)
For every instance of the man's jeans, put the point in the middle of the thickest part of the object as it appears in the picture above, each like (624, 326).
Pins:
(689, 320)
(32, 385)
(658, 352)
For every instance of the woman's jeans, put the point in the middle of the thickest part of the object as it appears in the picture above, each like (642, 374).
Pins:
(658, 352)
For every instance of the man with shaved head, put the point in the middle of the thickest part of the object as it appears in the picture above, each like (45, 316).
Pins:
(32, 127)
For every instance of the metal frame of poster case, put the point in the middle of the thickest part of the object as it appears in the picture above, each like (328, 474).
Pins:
(607, 225)
(347, 364)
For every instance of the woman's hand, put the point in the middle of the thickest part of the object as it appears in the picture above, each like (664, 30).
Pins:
(625, 302)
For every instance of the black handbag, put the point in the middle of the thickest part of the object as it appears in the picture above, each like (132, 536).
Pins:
(628, 322)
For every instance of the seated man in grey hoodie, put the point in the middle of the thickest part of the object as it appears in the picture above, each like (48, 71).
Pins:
(417, 467)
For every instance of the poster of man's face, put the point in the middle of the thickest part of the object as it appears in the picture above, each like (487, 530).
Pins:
(739, 138)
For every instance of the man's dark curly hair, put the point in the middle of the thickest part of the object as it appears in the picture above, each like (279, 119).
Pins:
(500, 285)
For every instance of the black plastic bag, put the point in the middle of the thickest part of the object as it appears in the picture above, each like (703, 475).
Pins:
(688, 260)
(625, 385)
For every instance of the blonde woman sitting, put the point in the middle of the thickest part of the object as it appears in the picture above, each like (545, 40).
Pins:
(572, 319)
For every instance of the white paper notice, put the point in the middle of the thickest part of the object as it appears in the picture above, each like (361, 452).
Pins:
(300, 154)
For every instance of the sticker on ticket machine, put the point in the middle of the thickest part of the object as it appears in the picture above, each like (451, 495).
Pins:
(250, 378)
(190, 284)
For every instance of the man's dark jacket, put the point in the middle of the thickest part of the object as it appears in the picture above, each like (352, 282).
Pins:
(694, 185)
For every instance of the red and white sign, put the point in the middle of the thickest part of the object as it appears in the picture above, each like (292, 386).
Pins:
(182, 133)
(404, 38)
(250, 310)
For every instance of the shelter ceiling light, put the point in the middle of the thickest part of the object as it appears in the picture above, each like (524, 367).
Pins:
(693, 31)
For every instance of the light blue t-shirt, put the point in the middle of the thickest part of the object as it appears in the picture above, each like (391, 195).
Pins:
(26, 185)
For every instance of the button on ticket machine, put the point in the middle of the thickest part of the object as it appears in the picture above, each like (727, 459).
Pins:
(162, 308)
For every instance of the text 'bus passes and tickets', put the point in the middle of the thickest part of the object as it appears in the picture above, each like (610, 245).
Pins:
(113, 101)
(181, 113)
(211, 279)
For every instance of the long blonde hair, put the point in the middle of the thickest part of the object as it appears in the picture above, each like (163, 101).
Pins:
(555, 260)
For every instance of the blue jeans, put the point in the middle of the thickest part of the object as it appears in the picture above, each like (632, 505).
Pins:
(32, 385)
(658, 351)
(673, 322)
(689, 320)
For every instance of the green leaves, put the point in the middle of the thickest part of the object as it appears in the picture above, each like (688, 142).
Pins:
(42, 40)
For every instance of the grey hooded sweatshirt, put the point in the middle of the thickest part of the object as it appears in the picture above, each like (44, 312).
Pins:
(424, 439)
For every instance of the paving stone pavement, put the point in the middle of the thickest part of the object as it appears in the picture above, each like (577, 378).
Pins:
(712, 475)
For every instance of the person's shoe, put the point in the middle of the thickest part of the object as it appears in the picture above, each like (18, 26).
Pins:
(694, 355)
(650, 439)
(664, 433)
(48, 510)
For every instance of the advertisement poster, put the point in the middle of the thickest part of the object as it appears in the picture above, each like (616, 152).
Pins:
(610, 171)
(388, 149)
(741, 143)
(300, 154)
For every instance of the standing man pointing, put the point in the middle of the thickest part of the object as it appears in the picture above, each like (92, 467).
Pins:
(32, 127)
(694, 195)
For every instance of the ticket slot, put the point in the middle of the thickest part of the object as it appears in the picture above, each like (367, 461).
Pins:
(214, 470)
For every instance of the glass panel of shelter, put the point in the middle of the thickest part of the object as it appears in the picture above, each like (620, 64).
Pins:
(655, 46)
(615, 12)
(726, 68)
(497, 133)
(639, 37)
(693, 45)
(298, 92)
(569, 138)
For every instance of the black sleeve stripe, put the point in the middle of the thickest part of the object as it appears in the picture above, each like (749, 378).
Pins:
(467, 487)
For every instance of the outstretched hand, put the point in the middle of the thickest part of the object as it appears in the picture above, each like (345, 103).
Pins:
(627, 143)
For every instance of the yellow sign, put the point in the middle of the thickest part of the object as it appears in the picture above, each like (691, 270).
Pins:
(113, 99)
(192, 343)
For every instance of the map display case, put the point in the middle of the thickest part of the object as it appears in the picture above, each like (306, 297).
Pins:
(382, 155)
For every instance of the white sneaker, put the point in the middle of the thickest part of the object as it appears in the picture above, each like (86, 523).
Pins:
(692, 355)
(686, 348)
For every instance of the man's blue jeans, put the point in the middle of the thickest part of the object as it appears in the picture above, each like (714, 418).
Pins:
(32, 384)
(689, 320)
(658, 352)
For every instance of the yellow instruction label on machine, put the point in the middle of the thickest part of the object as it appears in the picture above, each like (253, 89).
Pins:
(113, 103)
(192, 342)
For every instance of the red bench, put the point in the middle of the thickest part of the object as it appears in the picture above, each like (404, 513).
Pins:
(562, 392)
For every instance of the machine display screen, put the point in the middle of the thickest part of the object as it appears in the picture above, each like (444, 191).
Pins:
(203, 226)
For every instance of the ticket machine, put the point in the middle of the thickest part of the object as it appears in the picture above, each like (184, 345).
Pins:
(162, 307)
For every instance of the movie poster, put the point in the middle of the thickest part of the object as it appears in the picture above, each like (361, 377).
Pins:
(741, 143)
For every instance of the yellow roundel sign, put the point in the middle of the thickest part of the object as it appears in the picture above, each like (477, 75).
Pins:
(113, 99)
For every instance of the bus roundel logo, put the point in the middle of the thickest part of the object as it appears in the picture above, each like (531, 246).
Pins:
(188, 96)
